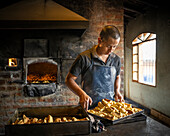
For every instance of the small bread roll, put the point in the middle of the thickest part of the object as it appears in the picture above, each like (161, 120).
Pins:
(21, 122)
(26, 119)
(34, 120)
(45, 120)
(65, 119)
(58, 120)
(40, 121)
(50, 119)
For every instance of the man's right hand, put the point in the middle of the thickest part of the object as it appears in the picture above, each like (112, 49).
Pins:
(85, 101)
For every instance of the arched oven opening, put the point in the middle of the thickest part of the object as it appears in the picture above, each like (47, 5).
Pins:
(42, 72)
(41, 76)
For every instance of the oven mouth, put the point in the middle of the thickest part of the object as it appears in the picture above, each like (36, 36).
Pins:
(41, 72)
(41, 79)
(41, 76)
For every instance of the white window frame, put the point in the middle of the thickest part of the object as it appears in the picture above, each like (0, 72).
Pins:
(144, 39)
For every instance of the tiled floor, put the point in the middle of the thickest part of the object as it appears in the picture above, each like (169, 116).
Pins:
(150, 127)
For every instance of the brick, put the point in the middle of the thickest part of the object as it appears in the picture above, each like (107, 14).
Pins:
(5, 95)
(18, 94)
(16, 106)
(41, 100)
(5, 75)
(113, 22)
(2, 82)
(6, 107)
(50, 100)
(11, 88)
(31, 101)
(2, 88)
(11, 112)
(20, 88)
(27, 105)
(21, 100)
(119, 48)
(8, 101)
(5, 119)
(2, 113)
(110, 16)
(118, 16)
(72, 99)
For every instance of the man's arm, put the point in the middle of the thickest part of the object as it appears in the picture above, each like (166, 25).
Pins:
(85, 100)
(118, 95)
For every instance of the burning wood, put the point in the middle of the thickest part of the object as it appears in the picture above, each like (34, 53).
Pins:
(37, 78)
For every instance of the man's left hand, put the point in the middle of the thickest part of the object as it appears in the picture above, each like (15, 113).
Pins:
(119, 97)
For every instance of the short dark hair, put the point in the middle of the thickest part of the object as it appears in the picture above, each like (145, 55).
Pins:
(109, 31)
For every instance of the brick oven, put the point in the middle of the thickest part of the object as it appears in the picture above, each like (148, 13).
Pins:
(41, 76)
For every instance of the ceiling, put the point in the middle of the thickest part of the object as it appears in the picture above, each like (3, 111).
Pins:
(132, 8)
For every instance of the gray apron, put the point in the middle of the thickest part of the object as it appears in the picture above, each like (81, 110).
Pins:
(98, 82)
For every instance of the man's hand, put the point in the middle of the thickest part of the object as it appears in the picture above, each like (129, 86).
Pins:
(85, 100)
(118, 97)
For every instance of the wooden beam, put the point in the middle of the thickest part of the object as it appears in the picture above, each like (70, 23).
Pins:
(128, 16)
(147, 3)
(132, 10)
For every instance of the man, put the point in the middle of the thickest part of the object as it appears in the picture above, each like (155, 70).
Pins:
(99, 68)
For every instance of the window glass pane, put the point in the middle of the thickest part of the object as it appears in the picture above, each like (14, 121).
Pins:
(135, 49)
(135, 41)
(140, 36)
(146, 35)
(135, 76)
(135, 67)
(147, 60)
(135, 58)
(152, 36)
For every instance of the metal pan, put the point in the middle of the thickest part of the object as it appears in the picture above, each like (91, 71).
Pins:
(106, 121)
(50, 129)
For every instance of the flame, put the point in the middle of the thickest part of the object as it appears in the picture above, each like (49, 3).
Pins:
(12, 62)
(36, 78)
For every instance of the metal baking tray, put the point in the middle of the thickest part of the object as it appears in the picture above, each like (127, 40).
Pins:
(107, 122)
(50, 129)
(141, 117)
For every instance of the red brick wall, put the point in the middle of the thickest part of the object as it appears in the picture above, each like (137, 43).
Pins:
(12, 97)
(104, 13)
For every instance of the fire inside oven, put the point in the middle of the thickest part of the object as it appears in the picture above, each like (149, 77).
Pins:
(42, 72)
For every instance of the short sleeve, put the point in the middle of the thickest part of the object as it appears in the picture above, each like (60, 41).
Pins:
(76, 67)
(118, 67)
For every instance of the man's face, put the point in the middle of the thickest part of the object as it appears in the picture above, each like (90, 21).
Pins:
(109, 45)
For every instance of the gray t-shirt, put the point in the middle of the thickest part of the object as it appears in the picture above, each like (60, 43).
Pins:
(84, 60)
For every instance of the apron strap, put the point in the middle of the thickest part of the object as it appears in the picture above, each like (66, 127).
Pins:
(92, 63)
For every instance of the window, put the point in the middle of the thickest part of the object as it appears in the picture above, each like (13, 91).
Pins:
(144, 59)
